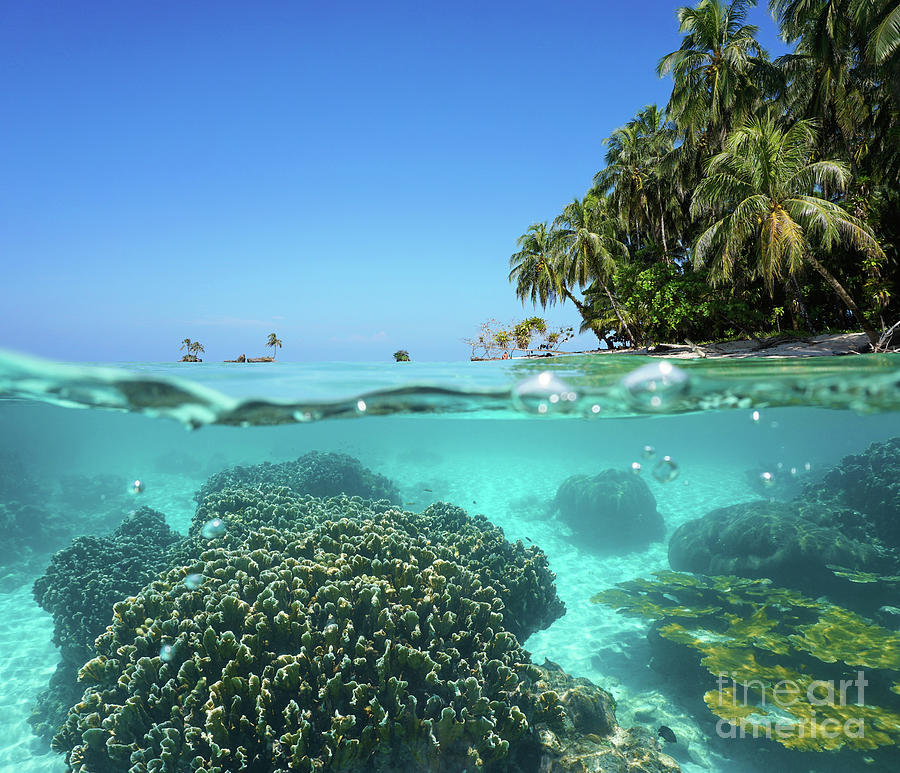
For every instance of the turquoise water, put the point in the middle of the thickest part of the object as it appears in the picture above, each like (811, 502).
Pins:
(498, 440)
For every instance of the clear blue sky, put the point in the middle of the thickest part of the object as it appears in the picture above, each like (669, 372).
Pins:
(352, 176)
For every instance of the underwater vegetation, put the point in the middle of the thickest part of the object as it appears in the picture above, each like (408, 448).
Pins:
(320, 474)
(611, 511)
(774, 657)
(79, 588)
(290, 632)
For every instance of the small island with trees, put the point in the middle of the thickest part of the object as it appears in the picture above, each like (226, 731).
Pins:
(194, 348)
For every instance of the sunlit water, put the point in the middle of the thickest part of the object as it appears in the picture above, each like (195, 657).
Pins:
(495, 438)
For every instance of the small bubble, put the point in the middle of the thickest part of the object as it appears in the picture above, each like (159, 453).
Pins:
(635, 467)
(166, 653)
(807, 466)
(686, 483)
(361, 406)
(793, 470)
(648, 452)
(538, 394)
(780, 465)
(656, 385)
(595, 408)
(193, 581)
(137, 487)
(665, 470)
(213, 528)
(774, 425)
(767, 479)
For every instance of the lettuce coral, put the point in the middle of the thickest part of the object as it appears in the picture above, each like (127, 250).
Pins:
(330, 634)
(318, 473)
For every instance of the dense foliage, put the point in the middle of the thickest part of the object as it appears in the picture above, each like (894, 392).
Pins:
(765, 196)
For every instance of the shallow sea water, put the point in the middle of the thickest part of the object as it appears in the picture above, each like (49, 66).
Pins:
(471, 439)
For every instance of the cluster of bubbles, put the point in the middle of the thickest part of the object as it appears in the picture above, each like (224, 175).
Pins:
(655, 386)
(665, 470)
(768, 478)
(213, 528)
(542, 394)
(166, 653)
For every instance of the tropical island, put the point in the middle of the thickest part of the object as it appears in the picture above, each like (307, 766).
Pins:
(762, 202)
(194, 348)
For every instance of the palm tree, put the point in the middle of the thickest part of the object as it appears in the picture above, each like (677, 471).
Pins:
(401, 355)
(197, 348)
(186, 345)
(635, 177)
(275, 342)
(718, 72)
(531, 268)
(881, 21)
(763, 189)
(589, 247)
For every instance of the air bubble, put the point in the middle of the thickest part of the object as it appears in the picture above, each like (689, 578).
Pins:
(542, 394)
(166, 653)
(665, 470)
(137, 487)
(361, 406)
(655, 386)
(213, 528)
(755, 417)
(767, 479)
(193, 581)
(648, 452)
(635, 467)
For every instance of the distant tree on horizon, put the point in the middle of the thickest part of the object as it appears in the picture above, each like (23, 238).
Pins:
(401, 355)
(275, 342)
(186, 345)
(197, 348)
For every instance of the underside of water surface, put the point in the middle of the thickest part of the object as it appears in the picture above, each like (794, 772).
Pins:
(490, 566)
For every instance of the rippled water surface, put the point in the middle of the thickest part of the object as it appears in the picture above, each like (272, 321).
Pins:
(799, 585)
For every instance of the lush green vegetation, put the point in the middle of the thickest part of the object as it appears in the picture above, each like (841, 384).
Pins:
(765, 197)
(401, 355)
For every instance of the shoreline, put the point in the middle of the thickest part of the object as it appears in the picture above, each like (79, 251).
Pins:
(826, 345)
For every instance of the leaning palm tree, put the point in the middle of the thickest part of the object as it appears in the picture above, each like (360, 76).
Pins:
(763, 188)
(275, 342)
(197, 349)
(589, 243)
(186, 345)
(531, 268)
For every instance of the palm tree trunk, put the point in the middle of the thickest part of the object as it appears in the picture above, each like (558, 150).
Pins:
(618, 312)
(662, 227)
(801, 306)
(845, 297)
(581, 310)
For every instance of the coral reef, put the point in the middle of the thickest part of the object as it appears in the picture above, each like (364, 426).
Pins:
(338, 634)
(320, 474)
(611, 511)
(869, 483)
(785, 665)
(790, 543)
(80, 587)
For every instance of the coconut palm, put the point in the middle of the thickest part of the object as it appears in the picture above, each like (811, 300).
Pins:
(880, 19)
(186, 345)
(763, 188)
(635, 176)
(589, 247)
(718, 72)
(275, 342)
(531, 268)
(197, 348)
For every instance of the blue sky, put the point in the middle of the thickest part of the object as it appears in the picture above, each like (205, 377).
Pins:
(352, 176)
